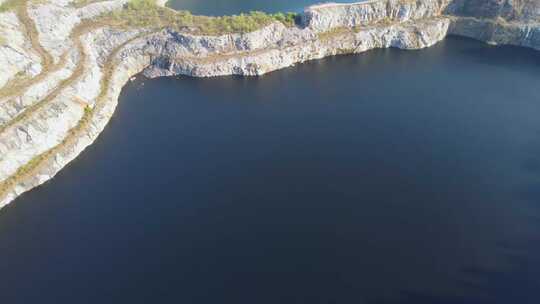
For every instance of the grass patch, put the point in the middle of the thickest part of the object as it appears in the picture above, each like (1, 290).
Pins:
(83, 3)
(336, 31)
(9, 5)
(145, 13)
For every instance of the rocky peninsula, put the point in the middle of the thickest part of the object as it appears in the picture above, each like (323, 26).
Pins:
(64, 62)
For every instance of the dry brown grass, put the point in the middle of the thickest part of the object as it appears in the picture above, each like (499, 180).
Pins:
(47, 62)
(83, 3)
(336, 32)
(11, 5)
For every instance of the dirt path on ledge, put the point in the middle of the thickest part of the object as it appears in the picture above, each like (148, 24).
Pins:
(80, 30)
(47, 61)
(30, 169)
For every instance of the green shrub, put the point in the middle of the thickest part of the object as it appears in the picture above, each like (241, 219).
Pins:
(141, 4)
(288, 19)
(145, 13)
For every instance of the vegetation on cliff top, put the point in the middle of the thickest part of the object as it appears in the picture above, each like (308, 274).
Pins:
(10, 5)
(145, 13)
(81, 3)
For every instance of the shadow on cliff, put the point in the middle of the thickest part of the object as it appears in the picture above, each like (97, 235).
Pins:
(502, 56)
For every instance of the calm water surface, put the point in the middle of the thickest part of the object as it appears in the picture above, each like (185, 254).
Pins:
(389, 177)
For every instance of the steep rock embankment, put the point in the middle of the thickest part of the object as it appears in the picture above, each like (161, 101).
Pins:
(515, 22)
(290, 46)
(47, 123)
(330, 15)
(497, 32)
(510, 10)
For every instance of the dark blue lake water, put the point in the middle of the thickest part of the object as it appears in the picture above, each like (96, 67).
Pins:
(388, 177)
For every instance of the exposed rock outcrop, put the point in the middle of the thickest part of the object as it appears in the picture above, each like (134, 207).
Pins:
(47, 123)
(514, 22)
(496, 32)
(325, 16)
(16, 57)
(510, 10)
(294, 46)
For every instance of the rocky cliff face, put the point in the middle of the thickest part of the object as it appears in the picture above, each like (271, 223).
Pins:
(61, 75)
(325, 16)
(496, 32)
(514, 22)
(510, 10)
(289, 46)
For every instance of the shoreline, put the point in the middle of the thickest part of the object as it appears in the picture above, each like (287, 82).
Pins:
(114, 56)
